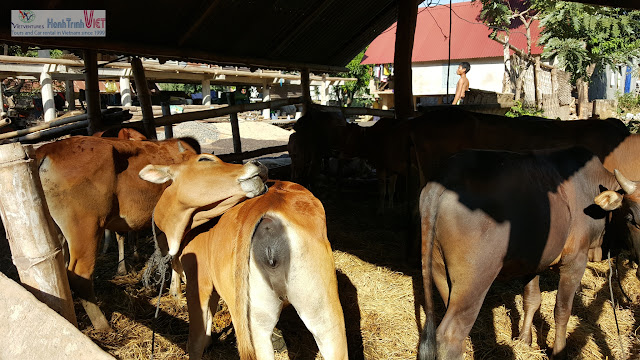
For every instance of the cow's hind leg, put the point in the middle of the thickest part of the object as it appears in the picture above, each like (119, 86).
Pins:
(200, 296)
(122, 267)
(532, 299)
(570, 276)
(83, 247)
(264, 310)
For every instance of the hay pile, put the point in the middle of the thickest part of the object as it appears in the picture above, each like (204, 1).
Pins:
(377, 291)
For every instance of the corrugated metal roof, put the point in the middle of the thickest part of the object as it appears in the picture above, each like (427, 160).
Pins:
(255, 33)
(469, 36)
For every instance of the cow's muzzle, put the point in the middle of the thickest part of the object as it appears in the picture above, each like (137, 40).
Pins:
(254, 178)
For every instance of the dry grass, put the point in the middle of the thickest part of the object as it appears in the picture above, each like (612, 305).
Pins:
(377, 290)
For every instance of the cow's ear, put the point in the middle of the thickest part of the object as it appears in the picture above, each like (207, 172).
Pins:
(609, 200)
(157, 174)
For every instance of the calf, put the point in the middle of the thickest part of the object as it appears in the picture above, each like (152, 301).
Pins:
(491, 215)
(91, 184)
(260, 255)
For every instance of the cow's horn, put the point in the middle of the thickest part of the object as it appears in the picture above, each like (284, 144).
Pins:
(627, 185)
(180, 147)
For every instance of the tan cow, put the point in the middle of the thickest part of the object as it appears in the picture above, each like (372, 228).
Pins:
(92, 184)
(262, 254)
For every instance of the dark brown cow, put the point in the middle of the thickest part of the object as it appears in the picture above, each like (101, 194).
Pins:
(260, 255)
(92, 184)
(317, 135)
(491, 215)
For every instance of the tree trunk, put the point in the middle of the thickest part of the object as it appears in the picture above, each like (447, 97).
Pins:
(582, 86)
(506, 79)
(405, 33)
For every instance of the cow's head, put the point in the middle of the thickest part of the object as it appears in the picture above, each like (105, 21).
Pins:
(203, 187)
(626, 218)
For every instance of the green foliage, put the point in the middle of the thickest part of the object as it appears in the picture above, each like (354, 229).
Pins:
(580, 35)
(519, 109)
(15, 50)
(56, 54)
(359, 87)
(628, 103)
(189, 89)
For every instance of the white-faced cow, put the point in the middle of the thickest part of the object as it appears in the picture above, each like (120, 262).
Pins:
(260, 255)
(92, 184)
(491, 215)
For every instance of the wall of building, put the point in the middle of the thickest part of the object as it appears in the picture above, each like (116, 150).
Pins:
(430, 78)
(606, 83)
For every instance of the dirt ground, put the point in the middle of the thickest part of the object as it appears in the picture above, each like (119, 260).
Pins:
(378, 289)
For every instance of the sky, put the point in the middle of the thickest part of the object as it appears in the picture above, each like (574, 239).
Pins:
(439, 2)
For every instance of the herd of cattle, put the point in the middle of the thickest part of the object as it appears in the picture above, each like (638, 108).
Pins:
(500, 198)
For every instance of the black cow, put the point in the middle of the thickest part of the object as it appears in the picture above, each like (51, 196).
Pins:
(491, 215)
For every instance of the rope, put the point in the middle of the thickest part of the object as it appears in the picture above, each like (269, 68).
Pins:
(24, 263)
(626, 297)
(613, 304)
(162, 267)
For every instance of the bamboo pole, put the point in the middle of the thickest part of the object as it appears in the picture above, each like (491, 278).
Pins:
(53, 132)
(144, 96)
(35, 248)
(92, 91)
(4, 122)
(306, 90)
(357, 110)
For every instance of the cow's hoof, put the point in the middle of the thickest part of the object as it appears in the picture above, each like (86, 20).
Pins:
(524, 339)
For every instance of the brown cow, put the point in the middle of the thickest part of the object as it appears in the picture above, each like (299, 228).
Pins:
(492, 214)
(125, 134)
(92, 184)
(262, 254)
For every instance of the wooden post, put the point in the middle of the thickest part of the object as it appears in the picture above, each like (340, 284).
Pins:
(306, 90)
(324, 90)
(536, 74)
(48, 104)
(235, 127)
(70, 94)
(206, 92)
(403, 92)
(35, 248)
(125, 91)
(266, 96)
(554, 87)
(92, 91)
(144, 96)
(2, 112)
(168, 129)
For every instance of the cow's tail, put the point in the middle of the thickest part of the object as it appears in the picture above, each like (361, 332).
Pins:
(429, 199)
(271, 253)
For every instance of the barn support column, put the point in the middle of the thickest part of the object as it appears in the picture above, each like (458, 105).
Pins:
(125, 91)
(324, 90)
(235, 126)
(306, 90)
(35, 248)
(2, 112)
(403, 92)
(92, 91)
(266, 96)
(206, 92)
(70, 94)
(142, 89)
(48, 104)
(168, 129)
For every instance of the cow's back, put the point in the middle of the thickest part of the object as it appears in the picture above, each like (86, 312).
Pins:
(520, 208)
(99, 177)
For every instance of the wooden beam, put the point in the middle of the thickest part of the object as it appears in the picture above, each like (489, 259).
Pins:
(405, 33)
(168, 129)
(33, 240)
(235, 126)
(92, 91)
(357, 110)
(196, 25)
(169, 52)
(252, 154)
(144, 96)
(212, 113)
(300, 29)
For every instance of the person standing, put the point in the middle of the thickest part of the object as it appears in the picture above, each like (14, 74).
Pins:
(463, 83)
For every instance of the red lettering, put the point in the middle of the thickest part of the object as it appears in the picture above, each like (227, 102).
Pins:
(88, 18)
